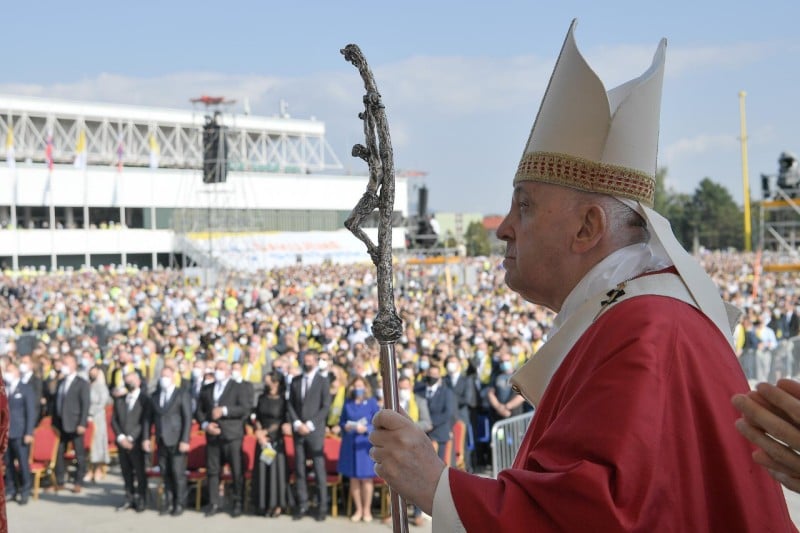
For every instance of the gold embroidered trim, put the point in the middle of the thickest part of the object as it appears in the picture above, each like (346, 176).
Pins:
(579, 173)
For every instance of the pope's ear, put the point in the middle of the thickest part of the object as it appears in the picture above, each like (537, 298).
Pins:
(593, 227)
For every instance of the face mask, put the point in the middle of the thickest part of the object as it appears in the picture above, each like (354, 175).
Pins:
(197, 373)
(308, 368)
(243, 341)
(404, 395)
(86, 364)
(506, 366)
(236, 376)
(516, 350)
(407, 372)
(65, 371)
(24, 368)
(218, 346)
(323, 364)
(137, 359)
(85, 344)
(165, 382)
(130, 387)
(432, 380)
(219, 375)
(146, 350)
(52, 350)
(424, 364)
(65, 349)
(452, 368)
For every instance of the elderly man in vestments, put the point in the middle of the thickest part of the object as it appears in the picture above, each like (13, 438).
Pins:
(634, 429)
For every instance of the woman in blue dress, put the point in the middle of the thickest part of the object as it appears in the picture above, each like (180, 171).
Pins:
(354, 460)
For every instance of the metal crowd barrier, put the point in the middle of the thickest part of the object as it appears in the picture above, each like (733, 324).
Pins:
(507, 437)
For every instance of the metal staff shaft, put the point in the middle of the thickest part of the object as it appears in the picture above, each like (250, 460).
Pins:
(391, 400)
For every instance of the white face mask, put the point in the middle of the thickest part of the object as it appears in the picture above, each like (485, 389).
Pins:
(236, 376)
(166, 382)
(219, 375)
(407, 372)
(65, 371)
(452, 368)
(404, 394)
(197, 373)
(323, 364)
(24, 368)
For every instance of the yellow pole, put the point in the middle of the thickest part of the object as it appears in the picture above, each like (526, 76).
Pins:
(745, 178)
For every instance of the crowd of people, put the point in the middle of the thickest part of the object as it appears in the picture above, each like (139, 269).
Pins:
(289, 355)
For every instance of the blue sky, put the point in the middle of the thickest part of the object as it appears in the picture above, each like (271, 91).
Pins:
(461, 80)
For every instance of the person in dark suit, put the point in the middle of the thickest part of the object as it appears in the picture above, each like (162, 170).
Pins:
(29, 377)
(790, 321)
(129, 420)
(442, 408)
(172, 417)
(23, 416)
(221, 411)
(195, 384)
(236, 375)
(309, 402)
(71, 413)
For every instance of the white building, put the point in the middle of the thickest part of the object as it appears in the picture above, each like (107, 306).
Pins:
(125, 187)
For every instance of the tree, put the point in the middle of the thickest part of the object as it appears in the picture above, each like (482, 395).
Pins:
(477, 239)
(710, 214)
(715, 216)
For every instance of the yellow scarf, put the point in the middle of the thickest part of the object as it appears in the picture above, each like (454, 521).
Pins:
(413, 410)
(337, 404)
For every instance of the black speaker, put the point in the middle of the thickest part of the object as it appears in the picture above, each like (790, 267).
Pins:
(215, 151)
(422, 203)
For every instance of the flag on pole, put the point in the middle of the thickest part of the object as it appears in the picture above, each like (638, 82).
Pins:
(80, 151)
(10, 147)
(48, 151)
(120, 152)
(155, 152)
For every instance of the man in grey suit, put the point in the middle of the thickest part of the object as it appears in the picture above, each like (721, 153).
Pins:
(70, 418)
(309, 403)
(221, 410)
(172, 417)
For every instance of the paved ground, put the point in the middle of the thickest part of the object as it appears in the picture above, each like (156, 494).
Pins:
(93, 512)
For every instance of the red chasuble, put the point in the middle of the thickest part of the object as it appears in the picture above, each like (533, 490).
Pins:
(635, 432)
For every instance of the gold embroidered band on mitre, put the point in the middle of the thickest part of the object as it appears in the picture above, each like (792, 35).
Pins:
(590, 176)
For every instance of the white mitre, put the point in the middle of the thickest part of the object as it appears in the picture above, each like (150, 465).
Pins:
(607, 142)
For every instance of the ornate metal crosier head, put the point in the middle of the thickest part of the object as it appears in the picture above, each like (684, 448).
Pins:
(377, 152)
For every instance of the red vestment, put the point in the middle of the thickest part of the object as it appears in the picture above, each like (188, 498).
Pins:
(635, 432)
